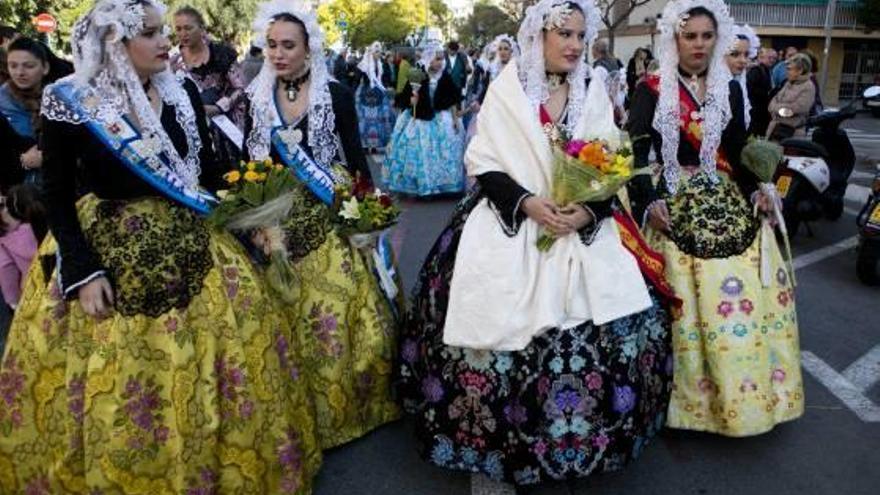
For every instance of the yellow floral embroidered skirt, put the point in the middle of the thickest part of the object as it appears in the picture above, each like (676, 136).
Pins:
(735, 342)
(189, 387)
(344, 327)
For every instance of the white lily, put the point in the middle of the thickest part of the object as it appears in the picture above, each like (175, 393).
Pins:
(350, 209)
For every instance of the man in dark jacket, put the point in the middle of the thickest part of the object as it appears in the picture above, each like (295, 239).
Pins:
(457, 64)
(759, 86)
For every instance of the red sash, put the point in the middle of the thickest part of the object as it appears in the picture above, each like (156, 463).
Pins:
(690, 120)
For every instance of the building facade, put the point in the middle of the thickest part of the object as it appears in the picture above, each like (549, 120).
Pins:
(854, 57)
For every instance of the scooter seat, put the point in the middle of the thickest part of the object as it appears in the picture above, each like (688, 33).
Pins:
(803, 147)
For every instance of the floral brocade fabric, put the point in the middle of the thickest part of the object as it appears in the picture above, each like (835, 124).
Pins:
(201, 399)
(344, 327)
(575, 402)
(155, 264)
(711, 220)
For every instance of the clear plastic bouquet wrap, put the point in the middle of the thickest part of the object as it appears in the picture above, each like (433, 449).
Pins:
(586, 171)
(259, 197)
(762, 157)
(363, 215)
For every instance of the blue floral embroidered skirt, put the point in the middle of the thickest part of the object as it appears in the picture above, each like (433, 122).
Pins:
(425, 156)
(574, 402)
(375, 116)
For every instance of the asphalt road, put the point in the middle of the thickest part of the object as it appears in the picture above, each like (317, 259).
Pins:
(831, 450)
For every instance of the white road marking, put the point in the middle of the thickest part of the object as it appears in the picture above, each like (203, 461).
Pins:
(818, 255)
(857, 193)
(838, 385)
(858, 174)
(482, 485)
(865, 372)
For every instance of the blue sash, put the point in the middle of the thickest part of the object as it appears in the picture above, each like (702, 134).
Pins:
(318, 179)
(128, 146)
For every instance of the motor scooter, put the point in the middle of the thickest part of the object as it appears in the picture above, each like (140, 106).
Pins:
(813, 177)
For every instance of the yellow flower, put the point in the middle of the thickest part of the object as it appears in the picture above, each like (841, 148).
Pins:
(251, 176)
(232, 177)
(267, 162)
(279, 167)
(262, 177)
(251, 166)
(696, 129)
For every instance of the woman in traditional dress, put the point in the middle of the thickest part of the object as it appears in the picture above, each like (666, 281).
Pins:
(425, 153)
(524, 365)
(153, 359)
(375, 115)
(28, 64)
(213, 66)
(744, 48)
(737, 361)
(343, 318)
(505, 49)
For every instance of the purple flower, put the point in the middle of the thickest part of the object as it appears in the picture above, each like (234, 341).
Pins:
(246, 409)
(515, 413)
(409, 351)
(161, 434)
(446, 240)
(432, 389)
(624, 399)
(567, 399)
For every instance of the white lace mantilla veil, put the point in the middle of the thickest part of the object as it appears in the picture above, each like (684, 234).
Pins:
(754, 41)
(107, 86)
(716, 108)
(261, 92)
(371, 66)
(548, 14)
(495, 67)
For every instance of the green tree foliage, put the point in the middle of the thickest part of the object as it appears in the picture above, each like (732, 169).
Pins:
(227, 21)
(485, 23)
(388, 21)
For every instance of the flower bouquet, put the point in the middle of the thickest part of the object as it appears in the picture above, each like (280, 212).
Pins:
(259, 198)
(761, 157)
(585, 171)
(415, 77)
(363, 214)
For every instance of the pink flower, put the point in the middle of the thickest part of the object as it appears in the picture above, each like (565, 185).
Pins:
(573, 148)
(782, 298)
(778, 375)
(601, 441)
(705, 385)
(725, 308)
(540, 448)
(593, 381)
(746, 306)
(171, 325)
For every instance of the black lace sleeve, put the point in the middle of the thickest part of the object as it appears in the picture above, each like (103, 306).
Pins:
(78, 263)
(505, 198)
(348, 131)
(733, 140)
(212, 168)
(641, 131)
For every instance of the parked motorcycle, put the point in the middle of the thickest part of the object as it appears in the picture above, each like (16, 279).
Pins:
(813, 177)
(871, 100)
(868, 260)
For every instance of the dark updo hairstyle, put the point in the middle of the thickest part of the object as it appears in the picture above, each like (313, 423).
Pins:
(31, 46)
(287, 17)
(703, 12)
(193, 13)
